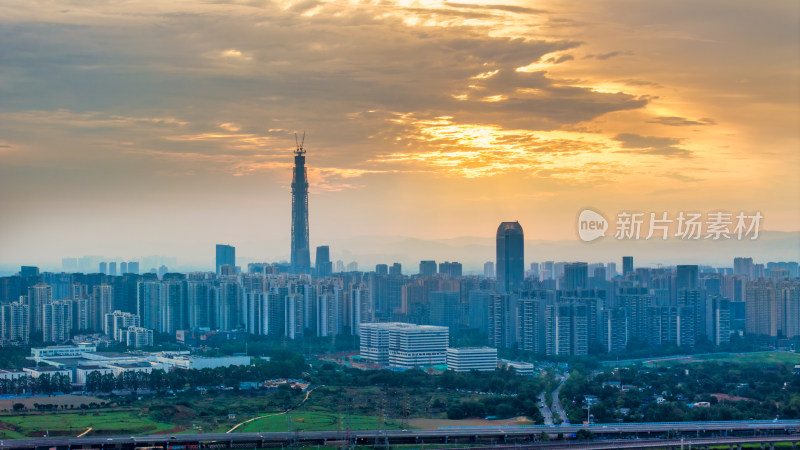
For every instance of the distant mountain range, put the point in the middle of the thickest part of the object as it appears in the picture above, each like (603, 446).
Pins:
(473, 251)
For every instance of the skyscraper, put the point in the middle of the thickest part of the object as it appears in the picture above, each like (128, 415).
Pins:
(301, 258)
(627, 265)
(510, 256)
(323, 261)
(226, 256)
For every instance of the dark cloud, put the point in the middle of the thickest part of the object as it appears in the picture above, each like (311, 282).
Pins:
(604, 56)
(637, 82)
(652, 145)
(681, 177)
(560, 59)
(681, 121)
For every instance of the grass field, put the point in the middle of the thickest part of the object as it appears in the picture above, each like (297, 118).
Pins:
(768, 357)
(315, 421)
(73, 423)
(754, 358)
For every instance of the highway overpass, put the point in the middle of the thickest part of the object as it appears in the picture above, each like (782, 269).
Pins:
(636, 434)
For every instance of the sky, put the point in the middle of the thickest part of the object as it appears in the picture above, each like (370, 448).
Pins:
(140, 127)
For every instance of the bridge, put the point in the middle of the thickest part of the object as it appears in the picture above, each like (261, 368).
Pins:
(610, 435)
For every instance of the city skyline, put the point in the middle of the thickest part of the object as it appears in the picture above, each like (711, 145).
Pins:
(134, 130)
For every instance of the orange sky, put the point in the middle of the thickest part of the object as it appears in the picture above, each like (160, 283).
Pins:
(149, 127)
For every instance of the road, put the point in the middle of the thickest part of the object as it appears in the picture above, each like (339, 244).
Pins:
(559, 410)
(544, 410)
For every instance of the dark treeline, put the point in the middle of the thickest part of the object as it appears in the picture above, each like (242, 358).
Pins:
(43, 384)
(743, 392)
(282, 365)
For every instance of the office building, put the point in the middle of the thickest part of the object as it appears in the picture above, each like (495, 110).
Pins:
(382, 269)
(404, 345)
(488, 269)
(322, 263)
(226, 256)
(510, 256)
(627, 265)
(464, 359)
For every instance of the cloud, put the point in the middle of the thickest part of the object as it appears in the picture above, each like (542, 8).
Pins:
(506, 8)
(605, 56)
(681, 121)
(560, 59)
(652, 145)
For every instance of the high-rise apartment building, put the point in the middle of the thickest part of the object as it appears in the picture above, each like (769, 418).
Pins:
(15, 322)
(427, 268)
(576, 276)
(39, 295)
(56, 321)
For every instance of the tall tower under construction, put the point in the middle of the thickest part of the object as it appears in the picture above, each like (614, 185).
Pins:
(301, 258)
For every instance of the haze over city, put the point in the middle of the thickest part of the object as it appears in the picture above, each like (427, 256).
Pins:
(147, 128)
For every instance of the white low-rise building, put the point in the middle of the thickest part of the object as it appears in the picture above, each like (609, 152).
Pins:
(180, 361)
(404, 345)
(11, 374)
(61, 351)
(132, 367)
(83, 371)
(36, 372)
(471, 358)
(522, 368)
